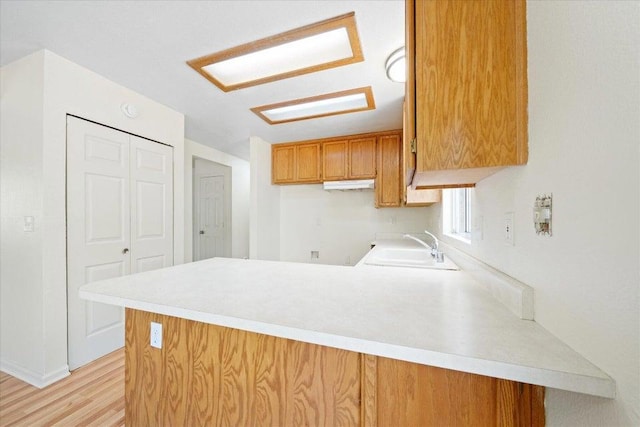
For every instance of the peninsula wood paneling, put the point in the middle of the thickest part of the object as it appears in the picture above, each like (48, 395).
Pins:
(410, 394)
(210, 375)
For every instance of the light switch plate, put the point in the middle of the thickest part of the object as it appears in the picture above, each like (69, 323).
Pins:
(508, 229)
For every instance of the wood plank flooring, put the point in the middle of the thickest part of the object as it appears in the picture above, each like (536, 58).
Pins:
(91, 396)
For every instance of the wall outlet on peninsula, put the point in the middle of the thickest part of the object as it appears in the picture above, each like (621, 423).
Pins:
(156, 335)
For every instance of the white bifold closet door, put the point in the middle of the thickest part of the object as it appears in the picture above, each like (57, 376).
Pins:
(119, 221)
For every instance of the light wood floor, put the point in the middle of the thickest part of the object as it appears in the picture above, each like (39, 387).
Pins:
(91, 396)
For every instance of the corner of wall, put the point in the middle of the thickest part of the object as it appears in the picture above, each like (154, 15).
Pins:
(264, 228)
(21, 191)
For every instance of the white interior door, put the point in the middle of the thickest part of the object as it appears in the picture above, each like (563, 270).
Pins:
(112, 178)
(152, 205)
(211, 217)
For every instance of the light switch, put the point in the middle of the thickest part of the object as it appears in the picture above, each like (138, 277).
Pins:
(508, 228)
(29, 224)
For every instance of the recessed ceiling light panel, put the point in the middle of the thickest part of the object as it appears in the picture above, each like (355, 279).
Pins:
(348, 101)
(319, 46)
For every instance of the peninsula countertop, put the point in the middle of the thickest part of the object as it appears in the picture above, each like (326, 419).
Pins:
(432, 317)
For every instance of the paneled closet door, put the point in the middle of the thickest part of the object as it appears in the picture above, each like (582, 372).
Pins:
(152, 205)
(112, 178)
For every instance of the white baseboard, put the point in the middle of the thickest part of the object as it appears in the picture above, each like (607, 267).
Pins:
(31, 377)
(515, 295)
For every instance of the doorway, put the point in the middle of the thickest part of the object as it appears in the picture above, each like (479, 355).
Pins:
(211, 209)
(119, 221)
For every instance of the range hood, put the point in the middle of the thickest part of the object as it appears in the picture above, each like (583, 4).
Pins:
(360, 184)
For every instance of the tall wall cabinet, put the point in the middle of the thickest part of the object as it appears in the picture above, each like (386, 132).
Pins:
(466, 90)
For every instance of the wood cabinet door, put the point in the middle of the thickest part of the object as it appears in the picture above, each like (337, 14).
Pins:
(362, 158)
(283, 164)
(308, 167)
(388, 181)
(471, 84)
(335, 159)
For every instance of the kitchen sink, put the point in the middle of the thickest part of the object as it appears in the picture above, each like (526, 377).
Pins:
(407, 257)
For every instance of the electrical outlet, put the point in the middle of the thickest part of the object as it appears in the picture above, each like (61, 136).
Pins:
(156, 335)
(508, 229)
(28, 224)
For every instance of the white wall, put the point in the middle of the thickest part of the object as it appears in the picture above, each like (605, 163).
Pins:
(264, 234)
(67, 89)
(584, 142)
(339, 224)
(21, 100)
(239, 197)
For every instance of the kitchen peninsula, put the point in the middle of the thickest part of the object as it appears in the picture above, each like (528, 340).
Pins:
(249, 342)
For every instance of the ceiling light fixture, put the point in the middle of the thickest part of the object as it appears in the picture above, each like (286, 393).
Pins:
(348, 101)
(396, 66)
(326, 44)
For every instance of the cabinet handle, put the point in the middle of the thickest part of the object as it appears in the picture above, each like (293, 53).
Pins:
(125, 250)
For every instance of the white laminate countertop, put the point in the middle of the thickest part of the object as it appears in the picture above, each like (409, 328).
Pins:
(433, 317)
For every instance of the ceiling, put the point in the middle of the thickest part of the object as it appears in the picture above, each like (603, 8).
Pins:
(143, 45)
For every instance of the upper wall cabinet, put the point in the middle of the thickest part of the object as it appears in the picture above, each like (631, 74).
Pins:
(376, 155)
(362, 158)
(296, 163)
(335, 160)
(349, 159)
(466, 89)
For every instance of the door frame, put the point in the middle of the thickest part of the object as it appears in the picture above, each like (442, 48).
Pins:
(218, 169)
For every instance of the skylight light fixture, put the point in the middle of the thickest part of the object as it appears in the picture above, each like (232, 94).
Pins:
(348, 101)
(326, 44)
(396, 66)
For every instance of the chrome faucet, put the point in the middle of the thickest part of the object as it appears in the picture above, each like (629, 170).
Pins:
(435, 253)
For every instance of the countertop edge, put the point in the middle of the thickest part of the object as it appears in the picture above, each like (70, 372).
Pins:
(593, 385)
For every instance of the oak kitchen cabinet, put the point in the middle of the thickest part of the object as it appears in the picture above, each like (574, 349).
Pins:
(466, 89)
(376, 155)
(412, 196)
(296, 163)
(388, 182)
(212, 375)
(346, 159)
